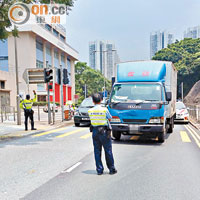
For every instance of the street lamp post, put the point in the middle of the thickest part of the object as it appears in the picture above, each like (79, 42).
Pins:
(17, 83)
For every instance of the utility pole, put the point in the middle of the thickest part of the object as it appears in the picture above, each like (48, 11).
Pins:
(182, 91)
(61, 92)
(17, 83)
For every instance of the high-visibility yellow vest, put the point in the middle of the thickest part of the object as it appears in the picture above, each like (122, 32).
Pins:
(27, 104)
(97, 116)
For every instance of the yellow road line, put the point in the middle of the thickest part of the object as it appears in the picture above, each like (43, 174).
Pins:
(184, 136)
(86, 136)
(193, 133)
(134, 137)
(197, 135)
(70, 133)
(49, 132)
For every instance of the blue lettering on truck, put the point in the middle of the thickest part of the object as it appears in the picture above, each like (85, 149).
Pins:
(138, 99)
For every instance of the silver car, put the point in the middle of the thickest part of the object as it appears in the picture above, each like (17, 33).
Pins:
(182, 114)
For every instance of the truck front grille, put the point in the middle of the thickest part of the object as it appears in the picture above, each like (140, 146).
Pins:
(135, 120)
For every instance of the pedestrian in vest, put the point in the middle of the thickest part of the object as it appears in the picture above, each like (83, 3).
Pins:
(28, 112)
(101, 135)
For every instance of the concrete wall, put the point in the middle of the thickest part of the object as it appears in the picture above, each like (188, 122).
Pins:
(10, 85)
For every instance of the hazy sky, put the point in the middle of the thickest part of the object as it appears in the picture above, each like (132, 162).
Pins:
(128, 23)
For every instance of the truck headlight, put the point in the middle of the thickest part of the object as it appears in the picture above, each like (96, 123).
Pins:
(115, 119)
(156, 120)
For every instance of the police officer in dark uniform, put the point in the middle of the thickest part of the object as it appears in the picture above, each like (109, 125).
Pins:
(101, 136)
(27, 104)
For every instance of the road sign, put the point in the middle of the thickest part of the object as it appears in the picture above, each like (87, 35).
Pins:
(35, 76)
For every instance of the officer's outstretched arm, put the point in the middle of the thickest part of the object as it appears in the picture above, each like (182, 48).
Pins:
(21, 105)
(35, 96)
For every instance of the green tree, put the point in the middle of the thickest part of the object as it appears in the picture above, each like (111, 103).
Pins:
(5, 22)
(92, 78)
(185, 55)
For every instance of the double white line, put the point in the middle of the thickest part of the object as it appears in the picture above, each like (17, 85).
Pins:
(194, 134)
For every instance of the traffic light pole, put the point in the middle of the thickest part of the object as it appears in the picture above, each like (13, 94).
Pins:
(182, 91)
(61, 92)
(54, 76)
(49, 108)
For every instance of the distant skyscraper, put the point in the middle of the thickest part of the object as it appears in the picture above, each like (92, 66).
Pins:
(192, 32)
(159, 40)
(103, 57)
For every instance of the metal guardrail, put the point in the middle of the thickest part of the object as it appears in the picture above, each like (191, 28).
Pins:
(194, 111)
(7, 113)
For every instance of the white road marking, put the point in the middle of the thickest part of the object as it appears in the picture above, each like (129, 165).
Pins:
(72, 168)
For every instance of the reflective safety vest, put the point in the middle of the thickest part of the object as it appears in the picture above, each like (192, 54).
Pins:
(97, 116)
(27, 104)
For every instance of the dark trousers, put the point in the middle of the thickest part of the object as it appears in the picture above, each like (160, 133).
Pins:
(102, 139)
(28, 114)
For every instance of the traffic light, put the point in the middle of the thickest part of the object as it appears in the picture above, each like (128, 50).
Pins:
(58, 77)
(48, 75)
(65, 76)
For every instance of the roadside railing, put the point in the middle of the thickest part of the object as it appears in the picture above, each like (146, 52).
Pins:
(194, 111)
(7, 113)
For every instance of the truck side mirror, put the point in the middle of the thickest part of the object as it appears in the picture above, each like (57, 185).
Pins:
(168, 96)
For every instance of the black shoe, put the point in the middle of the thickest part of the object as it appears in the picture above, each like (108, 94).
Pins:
(26, 129)
(99, 173)
(113, 172)
(34, 129)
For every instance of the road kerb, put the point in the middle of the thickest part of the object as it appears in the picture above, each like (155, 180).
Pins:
(20, 134)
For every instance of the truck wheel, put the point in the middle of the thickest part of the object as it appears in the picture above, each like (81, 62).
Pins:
(171, 126)
(116, 135)
(170, 130)
(161, 137)
(77, 124)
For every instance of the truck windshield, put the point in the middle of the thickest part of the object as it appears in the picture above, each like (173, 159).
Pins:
(136, 92)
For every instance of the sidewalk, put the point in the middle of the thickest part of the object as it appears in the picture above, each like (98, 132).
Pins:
(10, 130)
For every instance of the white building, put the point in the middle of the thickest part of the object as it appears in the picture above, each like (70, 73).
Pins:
(192, 32)
(159, 40)
(103, 57)
(38, 46)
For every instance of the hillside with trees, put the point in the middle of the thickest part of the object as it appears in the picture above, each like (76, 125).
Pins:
(93, 79)
(185, 55)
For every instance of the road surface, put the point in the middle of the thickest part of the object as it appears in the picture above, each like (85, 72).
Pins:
(59, 165)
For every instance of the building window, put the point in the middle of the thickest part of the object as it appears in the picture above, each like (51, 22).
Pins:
(4, 55)
(63, 60)
(69, 70)
(62, 38)
(41, 87)
(2, 84)
(48, 27)
(39, 64)
(56, 58)
(48, 55)
(39, 54)
(55, 33)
